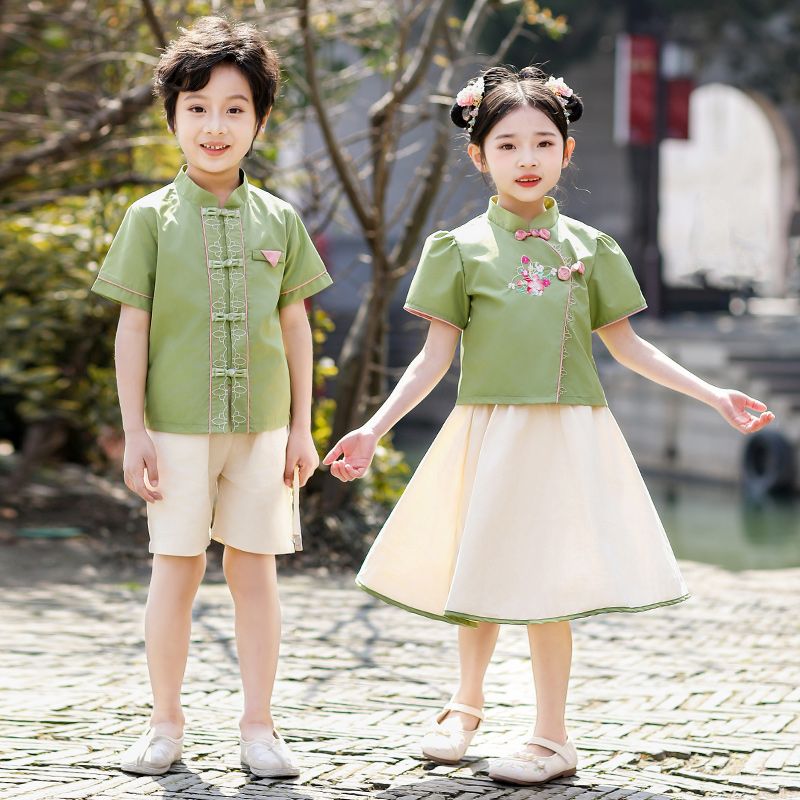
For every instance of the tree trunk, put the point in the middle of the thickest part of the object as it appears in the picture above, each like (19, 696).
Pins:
(361, 372)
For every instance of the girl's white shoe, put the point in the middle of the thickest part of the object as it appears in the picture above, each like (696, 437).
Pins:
(151, 754)
(527, 768)
(268, 757)
(446, 744)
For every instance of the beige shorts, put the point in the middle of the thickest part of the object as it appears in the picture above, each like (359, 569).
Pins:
(225, 486)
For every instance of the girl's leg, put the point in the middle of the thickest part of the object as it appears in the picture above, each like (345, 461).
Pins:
(551, 654)
(167, 627)
(475, 648)
(253, 583)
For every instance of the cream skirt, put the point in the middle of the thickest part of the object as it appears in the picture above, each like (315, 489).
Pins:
(523, 514)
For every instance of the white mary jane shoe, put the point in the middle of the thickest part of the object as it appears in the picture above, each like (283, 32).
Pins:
(268, 757)
(447, 745)
(527, 768)
(151, 754)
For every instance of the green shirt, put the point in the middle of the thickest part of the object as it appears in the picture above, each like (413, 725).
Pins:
(213, 280)
(527, 296)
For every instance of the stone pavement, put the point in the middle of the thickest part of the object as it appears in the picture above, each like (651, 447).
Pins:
(697, 700)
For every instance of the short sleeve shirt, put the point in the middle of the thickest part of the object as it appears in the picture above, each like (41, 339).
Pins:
(213, 280)
(527, 295)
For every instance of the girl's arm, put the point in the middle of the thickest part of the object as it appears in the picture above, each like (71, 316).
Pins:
(130, 353)
(639, 355)
(423, 373)
(297, 342)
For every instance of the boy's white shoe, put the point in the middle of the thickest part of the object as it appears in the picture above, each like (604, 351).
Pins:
(152, 754)
(268, 757)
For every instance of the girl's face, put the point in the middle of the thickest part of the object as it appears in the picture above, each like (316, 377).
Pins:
(215, 125)
(524, 154)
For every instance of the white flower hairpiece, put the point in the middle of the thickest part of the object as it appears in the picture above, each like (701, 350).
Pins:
(469, 99)
(559, 89)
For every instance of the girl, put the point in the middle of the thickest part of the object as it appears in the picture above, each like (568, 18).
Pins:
(528, 508)
(213, 355)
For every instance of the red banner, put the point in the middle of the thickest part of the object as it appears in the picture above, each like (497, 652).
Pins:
(678, 93)
(636, 94)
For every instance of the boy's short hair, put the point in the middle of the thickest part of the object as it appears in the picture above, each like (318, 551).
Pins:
(186, 64)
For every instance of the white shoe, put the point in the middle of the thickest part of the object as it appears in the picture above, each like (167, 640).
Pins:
(268, 757)
(526, 768)
(152, 754)
(447, 745)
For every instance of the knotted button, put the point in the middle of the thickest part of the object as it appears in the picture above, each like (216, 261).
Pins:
(221, 372)
(228, 262)
(541, 233)
(233, 316)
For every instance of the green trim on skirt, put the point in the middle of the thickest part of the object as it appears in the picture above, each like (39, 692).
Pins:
(472, 620)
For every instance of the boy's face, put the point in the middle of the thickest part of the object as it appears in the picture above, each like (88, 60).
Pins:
(215, 125)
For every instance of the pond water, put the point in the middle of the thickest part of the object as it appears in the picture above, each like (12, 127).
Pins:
(710, 523)
(720, 525)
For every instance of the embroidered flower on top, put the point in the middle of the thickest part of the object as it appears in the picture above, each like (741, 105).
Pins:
(531, 278)
(469, 98)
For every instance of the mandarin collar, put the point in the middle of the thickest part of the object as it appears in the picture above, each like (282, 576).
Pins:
(511, 222)
(196, 194)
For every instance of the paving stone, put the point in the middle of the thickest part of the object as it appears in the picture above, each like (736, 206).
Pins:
(700, 700)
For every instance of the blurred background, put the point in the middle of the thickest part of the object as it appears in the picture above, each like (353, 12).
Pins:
(687, 154)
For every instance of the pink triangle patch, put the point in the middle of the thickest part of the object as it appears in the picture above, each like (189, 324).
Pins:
(272, 256)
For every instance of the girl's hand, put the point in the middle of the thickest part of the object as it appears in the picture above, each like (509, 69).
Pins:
(357, 450)
(140, 455)
(733, 406)
(300, 452)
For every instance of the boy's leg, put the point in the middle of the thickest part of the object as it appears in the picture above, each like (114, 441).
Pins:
(551, 654)
(253, 583)
(168, 622)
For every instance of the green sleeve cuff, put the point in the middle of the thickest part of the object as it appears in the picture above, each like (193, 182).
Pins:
(121, 294)
(310, 287)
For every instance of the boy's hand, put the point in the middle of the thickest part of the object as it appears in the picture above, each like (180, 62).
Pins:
(733, 406)
(357, 449)
(140, 455)
(300, 452)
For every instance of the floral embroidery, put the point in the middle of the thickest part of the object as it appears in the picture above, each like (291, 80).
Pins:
(531, 278)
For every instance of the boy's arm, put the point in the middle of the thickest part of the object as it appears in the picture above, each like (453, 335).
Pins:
(130, 351)
(644, 358)
(297, 343)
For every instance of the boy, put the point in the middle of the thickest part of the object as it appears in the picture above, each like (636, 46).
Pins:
(214, 371)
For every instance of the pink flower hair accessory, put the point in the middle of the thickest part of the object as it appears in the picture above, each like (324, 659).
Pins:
(559, 89)
(469, 99)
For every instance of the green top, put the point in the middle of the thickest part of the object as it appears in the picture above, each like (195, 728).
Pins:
(527, 296)
(213, 280)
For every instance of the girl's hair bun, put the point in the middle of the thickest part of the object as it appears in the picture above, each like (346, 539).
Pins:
(573, 105)
(574, 108)
(532, 74)
(492, 78)
(457, 116)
